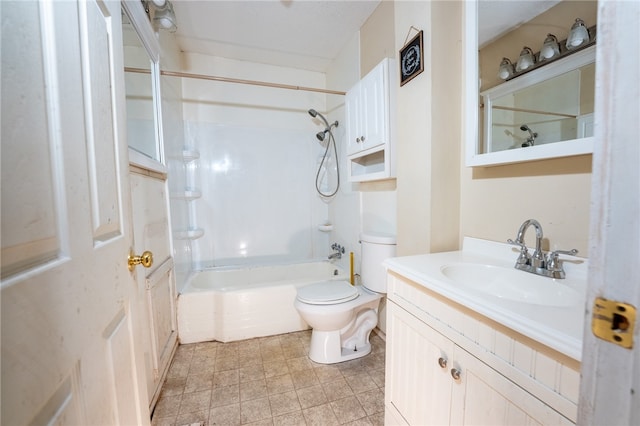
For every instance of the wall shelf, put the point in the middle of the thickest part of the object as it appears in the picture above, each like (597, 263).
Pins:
(188, 234)
(188, 194)
(371, 165)
(189, 155)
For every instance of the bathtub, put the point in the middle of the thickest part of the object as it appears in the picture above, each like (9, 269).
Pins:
(228, 304)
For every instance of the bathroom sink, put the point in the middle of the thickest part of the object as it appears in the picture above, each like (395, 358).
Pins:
(511, 284)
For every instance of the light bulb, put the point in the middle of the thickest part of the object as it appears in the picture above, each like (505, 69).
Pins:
(526, 59)
(506, 69)
(550, 48)
(578, 34)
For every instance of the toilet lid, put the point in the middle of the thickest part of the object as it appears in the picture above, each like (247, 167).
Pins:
(327, 293)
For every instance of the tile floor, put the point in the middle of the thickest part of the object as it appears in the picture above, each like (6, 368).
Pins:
(270, 381)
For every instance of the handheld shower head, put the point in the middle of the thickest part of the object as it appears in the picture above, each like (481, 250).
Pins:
(314, 114)
(532, 135)
(322, 135)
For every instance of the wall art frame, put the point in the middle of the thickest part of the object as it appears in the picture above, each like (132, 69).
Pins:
(411, 58)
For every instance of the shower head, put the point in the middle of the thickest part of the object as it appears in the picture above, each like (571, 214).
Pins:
(314, 114)
(532, 135)
(322, 135)
(526, 128)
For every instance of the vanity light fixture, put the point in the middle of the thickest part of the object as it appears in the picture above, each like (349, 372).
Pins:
(550, 48)
(164, 16)
(526, 59)
(578, 35)
(579, 38)
(506, 69)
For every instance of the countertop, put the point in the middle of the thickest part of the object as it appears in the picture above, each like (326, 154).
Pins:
(558, 327)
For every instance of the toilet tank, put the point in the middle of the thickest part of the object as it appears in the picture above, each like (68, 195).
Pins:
(376, 247)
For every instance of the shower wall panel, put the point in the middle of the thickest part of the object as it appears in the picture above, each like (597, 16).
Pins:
(259, 203)
(257, 165)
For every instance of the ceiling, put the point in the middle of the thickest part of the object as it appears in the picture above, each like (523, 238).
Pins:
(497, 17)
(306, 34)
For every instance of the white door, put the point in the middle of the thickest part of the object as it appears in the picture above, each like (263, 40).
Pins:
(156, 284)
(69, 338)
(611, 372)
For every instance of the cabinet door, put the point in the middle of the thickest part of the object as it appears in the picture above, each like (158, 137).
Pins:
(416, 385)
(483, 396)
(353, 107)
(375, 119)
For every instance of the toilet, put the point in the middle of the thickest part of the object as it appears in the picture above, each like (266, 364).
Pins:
(341, 315)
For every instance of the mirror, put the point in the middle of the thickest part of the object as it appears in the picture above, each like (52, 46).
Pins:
(544, 113)
(141, 54)
(551, 104)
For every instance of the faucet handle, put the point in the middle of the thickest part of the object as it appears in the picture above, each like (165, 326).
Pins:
(517, 243)
(524, 257)
(553, 262)
(571, 252)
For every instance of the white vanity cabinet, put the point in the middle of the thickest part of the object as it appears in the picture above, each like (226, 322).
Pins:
(369, 124)
(449, 365)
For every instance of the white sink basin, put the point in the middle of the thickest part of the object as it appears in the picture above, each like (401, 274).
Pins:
(511, 284)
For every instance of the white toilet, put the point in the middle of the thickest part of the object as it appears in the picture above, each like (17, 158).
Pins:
(341, 315)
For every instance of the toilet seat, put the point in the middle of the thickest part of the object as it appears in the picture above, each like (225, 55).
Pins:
(327, 293)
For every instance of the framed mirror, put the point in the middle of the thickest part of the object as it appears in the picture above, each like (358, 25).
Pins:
(549, 105)
(142, 88)
(544, 113)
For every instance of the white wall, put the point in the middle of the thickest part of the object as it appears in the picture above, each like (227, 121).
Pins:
(344, 209)
(258, 163)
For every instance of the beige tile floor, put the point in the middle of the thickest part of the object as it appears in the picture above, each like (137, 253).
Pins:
(270, 381)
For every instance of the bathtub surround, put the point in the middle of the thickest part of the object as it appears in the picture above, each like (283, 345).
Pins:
(258, 159)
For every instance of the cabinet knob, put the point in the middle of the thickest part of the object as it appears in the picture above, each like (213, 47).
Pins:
(361, 138)
(357, 140)
(455, 373)
(442, 362)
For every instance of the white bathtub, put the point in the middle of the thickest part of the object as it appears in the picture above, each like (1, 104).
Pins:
(226, 304)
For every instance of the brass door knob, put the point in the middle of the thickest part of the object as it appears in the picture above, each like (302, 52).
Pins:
(145, 259)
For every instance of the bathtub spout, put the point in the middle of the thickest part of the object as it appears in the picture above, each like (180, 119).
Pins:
(356, 336)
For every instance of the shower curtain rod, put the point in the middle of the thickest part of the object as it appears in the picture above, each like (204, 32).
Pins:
(235, 80)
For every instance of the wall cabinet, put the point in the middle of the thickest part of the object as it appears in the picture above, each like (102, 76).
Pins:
(439, 373)
(370, 107)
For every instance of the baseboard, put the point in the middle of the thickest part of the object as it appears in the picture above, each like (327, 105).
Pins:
(380, 333)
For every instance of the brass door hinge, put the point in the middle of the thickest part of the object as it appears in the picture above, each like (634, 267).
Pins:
(614, 321)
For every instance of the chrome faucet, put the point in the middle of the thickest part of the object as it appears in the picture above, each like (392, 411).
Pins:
(537, 263)
(337, 251)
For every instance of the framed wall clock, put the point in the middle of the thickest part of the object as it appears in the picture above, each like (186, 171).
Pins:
(411, 59)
